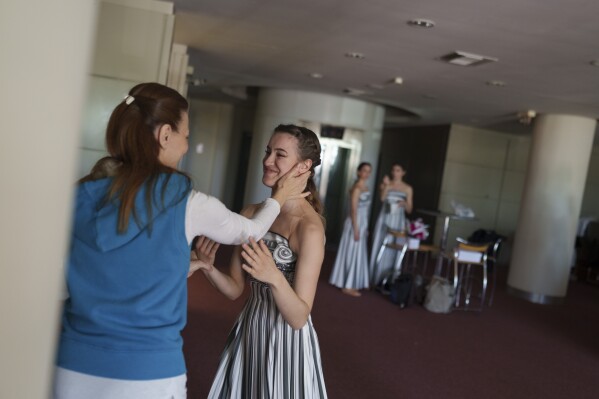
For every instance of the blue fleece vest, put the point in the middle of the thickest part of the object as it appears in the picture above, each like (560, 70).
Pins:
(127, 298)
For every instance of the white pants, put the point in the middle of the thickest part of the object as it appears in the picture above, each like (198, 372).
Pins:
(73, 385)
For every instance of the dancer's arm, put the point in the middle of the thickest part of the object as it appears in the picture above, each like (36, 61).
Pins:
(354, 200)
(384, 188)
(203, 255)
(232, 282)
(408, 202)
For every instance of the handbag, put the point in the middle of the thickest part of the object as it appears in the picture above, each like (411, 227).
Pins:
(440, 295)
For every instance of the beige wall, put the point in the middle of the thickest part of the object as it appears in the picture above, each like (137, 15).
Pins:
(43, 99)
(485, 170)
(210, 126)
(132, 45)
(43, 76)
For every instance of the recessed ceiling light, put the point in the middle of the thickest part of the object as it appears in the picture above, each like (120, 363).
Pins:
(526, 117)
(463, 58)
(354, 54)
(496, 83)
(397, 80)
(595, 63)
(316, 75)
(421, 23)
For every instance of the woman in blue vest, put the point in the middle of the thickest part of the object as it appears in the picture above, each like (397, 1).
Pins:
(130, 251)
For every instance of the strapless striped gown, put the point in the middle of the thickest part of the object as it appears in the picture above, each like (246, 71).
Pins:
(264, 358)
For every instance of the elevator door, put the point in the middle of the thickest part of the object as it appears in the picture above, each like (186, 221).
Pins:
(333, 179)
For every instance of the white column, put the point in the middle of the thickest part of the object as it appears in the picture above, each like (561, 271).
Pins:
(554, 186)
(276, 106)
(45, 50)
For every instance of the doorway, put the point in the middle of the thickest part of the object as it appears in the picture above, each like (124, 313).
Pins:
(333, 178)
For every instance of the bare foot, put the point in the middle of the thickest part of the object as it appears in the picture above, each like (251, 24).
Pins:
(351, 292)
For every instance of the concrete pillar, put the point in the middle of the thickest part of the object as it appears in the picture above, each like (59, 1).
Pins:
(276, 106)
(46, 48)
(554, 187)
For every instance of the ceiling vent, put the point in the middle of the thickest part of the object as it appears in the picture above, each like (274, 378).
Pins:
(463, 58)
(421, 23)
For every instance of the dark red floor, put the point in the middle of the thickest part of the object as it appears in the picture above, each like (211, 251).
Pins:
(372, 349)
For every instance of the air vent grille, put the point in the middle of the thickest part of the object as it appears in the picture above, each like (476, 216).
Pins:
(463, 58)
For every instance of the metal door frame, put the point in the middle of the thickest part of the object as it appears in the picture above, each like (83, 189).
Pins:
(327, 162)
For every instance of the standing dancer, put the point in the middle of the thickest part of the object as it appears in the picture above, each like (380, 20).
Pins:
(396, 196)
(350, 271)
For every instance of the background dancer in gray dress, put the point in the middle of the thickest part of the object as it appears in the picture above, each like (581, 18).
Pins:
(396, 196)
(272, 350)
(350, 271)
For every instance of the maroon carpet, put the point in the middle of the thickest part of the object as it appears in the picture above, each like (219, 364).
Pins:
(373, 349)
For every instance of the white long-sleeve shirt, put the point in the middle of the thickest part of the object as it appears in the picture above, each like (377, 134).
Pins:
(206, 215)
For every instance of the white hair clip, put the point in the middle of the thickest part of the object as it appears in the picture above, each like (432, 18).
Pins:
(129, 99)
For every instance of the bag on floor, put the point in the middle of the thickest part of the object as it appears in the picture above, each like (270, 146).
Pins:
(419, 287)
(440, 295)
(401, 290)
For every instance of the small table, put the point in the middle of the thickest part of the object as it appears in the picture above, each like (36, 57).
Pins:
(446, 218)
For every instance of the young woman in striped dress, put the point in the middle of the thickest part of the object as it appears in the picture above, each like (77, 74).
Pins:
(272, 350)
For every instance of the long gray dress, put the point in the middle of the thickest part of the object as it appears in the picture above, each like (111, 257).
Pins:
(264, 358)
(389, 217)
(351, 265)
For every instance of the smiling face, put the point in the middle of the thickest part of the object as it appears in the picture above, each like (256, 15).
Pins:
(280, 156)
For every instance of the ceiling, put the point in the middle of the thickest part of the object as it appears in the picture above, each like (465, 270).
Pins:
(544, 50)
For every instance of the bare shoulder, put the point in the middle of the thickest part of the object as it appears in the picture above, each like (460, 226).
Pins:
(310, 227)
(355, 188)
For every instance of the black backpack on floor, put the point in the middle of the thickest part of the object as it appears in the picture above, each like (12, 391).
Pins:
(401, 290)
